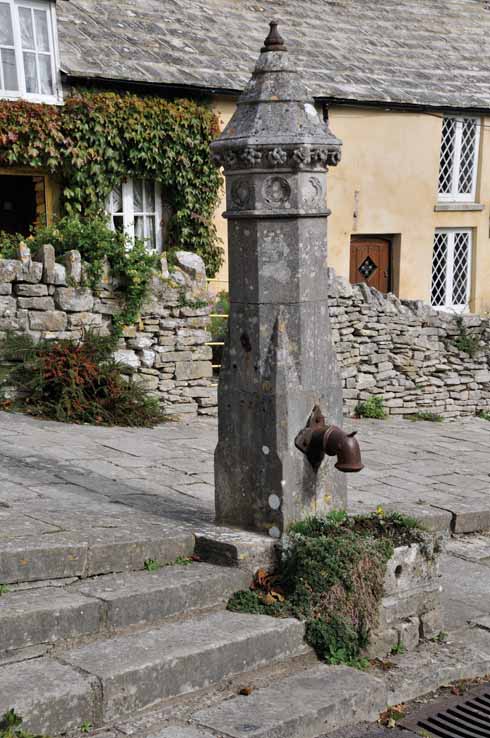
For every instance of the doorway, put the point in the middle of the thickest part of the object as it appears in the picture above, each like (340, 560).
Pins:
(370, 262)
(17, 204)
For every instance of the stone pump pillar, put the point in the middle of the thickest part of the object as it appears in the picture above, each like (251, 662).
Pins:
(279, 361)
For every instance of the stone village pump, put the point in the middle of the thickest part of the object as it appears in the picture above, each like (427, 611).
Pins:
(279, 369)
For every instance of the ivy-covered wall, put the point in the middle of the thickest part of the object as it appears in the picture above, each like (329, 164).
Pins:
(96, 139)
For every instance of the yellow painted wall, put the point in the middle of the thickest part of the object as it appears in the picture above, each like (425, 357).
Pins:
(386, 185)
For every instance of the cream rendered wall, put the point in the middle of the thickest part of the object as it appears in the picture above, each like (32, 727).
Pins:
(224, 109)
(386, 185)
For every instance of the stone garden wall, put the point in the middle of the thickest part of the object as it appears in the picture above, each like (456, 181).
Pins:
(165, 351)
(403, 351)
(406, 352)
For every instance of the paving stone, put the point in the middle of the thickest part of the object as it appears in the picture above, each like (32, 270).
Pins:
(31, 559)
(300, 706)
(52, 697)
(469, 516)
(464, 656)
(46, 616)
(148, 597)
(176, 731)
(138, 669)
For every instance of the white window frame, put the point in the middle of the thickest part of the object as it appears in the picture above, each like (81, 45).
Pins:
(56, 98)
(454, 195)
(129, 214)
(448, 306)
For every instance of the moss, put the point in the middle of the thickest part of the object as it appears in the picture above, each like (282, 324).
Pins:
(331, 575)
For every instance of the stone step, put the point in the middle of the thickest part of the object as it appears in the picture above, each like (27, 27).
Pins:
(110, 603)
(103, 551)
(112, 678)
(305, 705)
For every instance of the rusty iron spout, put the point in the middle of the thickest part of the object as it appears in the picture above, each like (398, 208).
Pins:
(318, 439)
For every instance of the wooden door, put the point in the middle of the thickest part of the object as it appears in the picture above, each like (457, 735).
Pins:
(370, 262)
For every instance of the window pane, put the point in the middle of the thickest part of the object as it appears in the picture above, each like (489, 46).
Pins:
(138, 195)
(150, 232)
(149, 196)
(118, 223)
(9, 69)
(461, 263)
(468, 153)
(139, 231)
(30, 72)
(447, 155)
(117, 199)
(42, 34)
(439, 270)
(26, 29)
(6, 34)
(45, 75)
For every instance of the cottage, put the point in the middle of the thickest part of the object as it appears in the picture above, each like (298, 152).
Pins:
(404, 83)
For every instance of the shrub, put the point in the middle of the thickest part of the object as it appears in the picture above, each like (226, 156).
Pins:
(371, 408)
(75, 382)
(484, 414)
(331, 575)
(132, 266)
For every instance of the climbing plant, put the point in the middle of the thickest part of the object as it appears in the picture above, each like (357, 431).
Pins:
(97, 139)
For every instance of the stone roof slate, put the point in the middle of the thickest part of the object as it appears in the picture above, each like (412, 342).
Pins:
(421, 52)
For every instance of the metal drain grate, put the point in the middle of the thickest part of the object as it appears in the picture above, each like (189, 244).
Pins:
(459, 717)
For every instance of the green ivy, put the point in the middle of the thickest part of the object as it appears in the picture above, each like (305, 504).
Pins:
(96, 139)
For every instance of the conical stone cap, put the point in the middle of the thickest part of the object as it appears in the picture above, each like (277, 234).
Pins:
(276, 122)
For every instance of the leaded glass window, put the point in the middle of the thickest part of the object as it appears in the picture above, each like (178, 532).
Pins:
(459, 159)
(451, 269)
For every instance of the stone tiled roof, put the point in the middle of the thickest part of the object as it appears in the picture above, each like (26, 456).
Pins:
(424, 52)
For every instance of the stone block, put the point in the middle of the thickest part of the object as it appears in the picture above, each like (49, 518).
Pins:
(5, 288)
(310, 703)
(60, 278)
(409, 633)
(193, 370)
(46, 256)
(73, 266)
(147, 358)
(136, 599)
(46, 615)
(127, 358)
(431, 623)
(51, 697)
(74, 299)
(9, 270)
(51, 320)
(36, 303)
(31, 290)
(136, 670)
(31, 273)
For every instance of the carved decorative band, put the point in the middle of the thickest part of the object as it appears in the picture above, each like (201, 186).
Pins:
(270, 158)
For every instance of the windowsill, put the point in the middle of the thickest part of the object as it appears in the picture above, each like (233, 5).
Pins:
(42, 99)
(462, 207)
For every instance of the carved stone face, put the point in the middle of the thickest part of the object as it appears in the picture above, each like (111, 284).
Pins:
(277, 191)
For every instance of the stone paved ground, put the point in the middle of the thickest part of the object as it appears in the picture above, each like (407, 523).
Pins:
(439, 471)
(432, 469)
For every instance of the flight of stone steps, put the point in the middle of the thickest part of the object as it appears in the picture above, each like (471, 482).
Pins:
(82, 646)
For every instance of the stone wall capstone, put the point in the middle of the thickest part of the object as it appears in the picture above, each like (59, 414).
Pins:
(165, 351)
(405, 351)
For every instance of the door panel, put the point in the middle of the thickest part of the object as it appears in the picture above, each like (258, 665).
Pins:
(370, 262)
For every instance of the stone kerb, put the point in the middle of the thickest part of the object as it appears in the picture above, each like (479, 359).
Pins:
(166, 350)
(406, 352)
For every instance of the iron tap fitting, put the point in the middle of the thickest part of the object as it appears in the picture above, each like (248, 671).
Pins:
(318, 439)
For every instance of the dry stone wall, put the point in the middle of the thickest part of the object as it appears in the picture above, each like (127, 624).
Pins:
(166, 350)
(405, 351)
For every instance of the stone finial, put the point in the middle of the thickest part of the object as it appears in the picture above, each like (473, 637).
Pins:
(274, 41)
